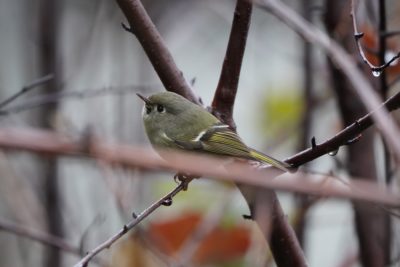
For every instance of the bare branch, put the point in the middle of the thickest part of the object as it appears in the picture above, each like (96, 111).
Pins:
(50, 143)
(224, 97)
(376, 70)
(347, 136)
(155, 48)
(41, 237)
(261, 202)
(26, 89)
(51, 98)
(360, 85)
(135, 221)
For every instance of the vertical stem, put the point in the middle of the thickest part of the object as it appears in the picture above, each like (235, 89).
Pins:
(383, 81)
(384, 93)
(48, 51)
(303, 201)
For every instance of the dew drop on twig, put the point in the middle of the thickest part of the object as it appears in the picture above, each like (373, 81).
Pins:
(376, 73)
(333, 153)
(167, 202)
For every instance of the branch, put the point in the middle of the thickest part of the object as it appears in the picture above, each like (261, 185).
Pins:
(54, 144)
(224, 97)
(262, 203)
(345, 137)
(144, 29)
(360, 85)
(41, 237)
(376, 70)
(51, 98)
(165, 200)
(26, 89)
(50, 143)
(155, 48)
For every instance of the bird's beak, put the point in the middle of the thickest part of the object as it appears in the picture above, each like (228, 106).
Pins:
(145, 99)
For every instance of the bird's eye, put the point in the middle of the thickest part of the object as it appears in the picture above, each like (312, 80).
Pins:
(148, 109)
(160, 108)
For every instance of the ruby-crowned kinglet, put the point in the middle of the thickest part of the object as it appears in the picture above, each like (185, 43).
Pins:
(172, 121)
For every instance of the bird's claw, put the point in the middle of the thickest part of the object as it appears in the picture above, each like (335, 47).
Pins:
(184, 179)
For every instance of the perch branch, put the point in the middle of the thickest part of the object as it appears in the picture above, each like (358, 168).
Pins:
(135, 221)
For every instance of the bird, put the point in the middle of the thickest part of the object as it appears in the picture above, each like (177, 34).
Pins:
(173, 122)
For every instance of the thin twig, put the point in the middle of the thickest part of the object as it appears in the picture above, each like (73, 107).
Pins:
(41, 237)
(377, 70)
(51, 98)
(26, 89)
(345, 137)
(360, 85)
(388, 34)
(136, 220)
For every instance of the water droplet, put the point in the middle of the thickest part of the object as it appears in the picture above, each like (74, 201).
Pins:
(333, 153)
(376, 73)
(167, 202)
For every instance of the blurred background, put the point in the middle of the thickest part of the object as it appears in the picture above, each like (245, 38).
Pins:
(285, 97)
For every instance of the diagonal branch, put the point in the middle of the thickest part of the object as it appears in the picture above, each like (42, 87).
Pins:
(41, 237)
(26, 89)
(165, 200)
(224, 97)
(346, 137)
(155, 48)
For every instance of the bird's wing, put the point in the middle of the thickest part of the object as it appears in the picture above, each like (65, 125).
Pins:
(218, 139)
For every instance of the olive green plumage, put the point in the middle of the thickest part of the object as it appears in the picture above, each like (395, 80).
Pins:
(171, 121)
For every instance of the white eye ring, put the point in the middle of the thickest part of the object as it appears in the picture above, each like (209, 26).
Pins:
(160, 108)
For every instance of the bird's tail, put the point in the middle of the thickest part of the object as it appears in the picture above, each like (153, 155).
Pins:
(261, 157)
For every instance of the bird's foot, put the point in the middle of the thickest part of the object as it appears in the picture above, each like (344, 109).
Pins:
(184, 179)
